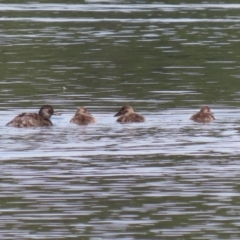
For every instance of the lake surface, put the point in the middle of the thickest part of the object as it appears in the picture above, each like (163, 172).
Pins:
(167, 178)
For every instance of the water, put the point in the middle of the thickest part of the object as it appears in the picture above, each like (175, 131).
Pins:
(167, 178)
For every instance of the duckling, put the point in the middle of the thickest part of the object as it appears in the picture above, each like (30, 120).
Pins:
(127, 115)
(40, 119)
(82, 117)
(203, 116)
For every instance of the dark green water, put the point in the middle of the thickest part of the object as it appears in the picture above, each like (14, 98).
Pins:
(167, 178)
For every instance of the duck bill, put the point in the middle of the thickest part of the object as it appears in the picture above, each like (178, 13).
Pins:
(118, 114)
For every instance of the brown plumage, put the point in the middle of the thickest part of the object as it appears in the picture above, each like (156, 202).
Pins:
(127, 115)
(203, 116)
(40, 119)
(82, 117)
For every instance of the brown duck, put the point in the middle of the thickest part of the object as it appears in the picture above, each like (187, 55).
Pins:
(40, 119)
(82, 117)
(128, 115)
(203, 116)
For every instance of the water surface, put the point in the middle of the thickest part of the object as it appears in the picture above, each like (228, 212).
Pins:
(167, 178)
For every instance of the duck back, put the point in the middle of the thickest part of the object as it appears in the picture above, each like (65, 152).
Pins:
(29, 120)
(202, 117)
(133, 117)
(82, 119)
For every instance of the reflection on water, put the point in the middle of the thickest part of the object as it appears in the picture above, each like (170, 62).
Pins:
(163, 179)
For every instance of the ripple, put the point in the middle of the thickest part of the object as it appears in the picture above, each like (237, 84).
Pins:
(165, 178)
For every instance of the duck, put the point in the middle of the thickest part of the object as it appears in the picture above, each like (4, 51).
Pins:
(128, 115)
(40, 119)
(82, 117)
(203, 116)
